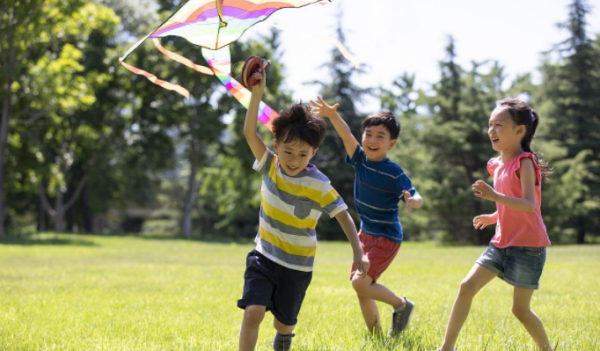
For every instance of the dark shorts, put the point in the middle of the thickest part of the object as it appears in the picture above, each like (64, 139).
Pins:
(379, 250)
(517, 265)
(269, 284)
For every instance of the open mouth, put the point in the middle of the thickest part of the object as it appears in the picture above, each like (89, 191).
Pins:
(371, 148)
(494, 140)
(292, 168)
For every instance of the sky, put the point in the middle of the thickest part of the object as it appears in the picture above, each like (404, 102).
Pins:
(391, 37)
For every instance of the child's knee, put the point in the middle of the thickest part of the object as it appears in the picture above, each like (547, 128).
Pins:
(521, 312)
(254, 314)
(282, 328)
(360, 284)
(468, 288)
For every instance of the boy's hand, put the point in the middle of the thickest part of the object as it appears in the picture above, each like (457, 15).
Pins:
(484, 191)
(482, 221)
(259, 88)
(362, 264)
(408, 199)
(323, 109)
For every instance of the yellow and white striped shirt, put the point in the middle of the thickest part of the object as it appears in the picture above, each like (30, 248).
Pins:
(289, 212)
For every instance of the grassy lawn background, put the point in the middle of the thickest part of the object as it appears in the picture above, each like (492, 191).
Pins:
(75, 292)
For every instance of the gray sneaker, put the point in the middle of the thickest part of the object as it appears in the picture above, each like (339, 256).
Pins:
(401, 319)
(283, 342)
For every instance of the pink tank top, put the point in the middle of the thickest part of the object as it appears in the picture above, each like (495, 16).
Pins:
(516, 228)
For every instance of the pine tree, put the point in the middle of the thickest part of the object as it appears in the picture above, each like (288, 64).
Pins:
(459, 146)
(572, 88)
(331, 157)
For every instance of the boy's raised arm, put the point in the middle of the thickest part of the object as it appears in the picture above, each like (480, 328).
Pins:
(256, 144)
(339, 124)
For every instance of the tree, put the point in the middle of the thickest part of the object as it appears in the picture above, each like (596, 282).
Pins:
(331, 157)
(20, 26)
(570, 96)
(62, 84)
(459, 146)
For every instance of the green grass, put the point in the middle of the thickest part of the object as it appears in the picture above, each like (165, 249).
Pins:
(70, 292)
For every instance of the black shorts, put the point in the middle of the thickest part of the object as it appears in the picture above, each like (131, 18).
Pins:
(269, 284)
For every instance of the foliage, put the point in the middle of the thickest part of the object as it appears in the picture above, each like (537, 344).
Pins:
(108, 150)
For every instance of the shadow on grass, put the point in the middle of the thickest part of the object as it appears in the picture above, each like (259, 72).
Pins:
(47, 239)
(81, 239)
(213, 239)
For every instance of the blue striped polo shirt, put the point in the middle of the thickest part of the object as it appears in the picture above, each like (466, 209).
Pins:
(378, 188)
(289, 212)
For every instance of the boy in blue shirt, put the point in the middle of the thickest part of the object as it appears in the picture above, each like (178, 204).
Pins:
(379, 184)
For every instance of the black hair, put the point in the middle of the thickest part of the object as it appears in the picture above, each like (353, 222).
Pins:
(298, 122)
(386, 119)
(523, 115)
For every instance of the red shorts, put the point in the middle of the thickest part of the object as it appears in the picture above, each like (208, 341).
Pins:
(379, 250)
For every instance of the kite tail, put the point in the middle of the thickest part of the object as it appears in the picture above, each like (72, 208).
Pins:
(169, 86)
(220, 62)
(184, 61)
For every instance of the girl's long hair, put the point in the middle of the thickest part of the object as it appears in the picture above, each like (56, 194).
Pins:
(523, 114)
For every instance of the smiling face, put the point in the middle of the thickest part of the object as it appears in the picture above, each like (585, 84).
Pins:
(503, 132)
(294, 156)
(376, 141)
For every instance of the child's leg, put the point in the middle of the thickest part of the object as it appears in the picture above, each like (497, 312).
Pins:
(372, 290)
(370, 313)
(477, 278)
(522, 310)
(283, 338)
(282, 328)
(368, 292)
(253, 316)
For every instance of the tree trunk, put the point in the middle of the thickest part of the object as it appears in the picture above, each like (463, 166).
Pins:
(190, 197)
(581, 230)
(58, 212)
(88, 215)
(70, 218)
(59, 215)
(4, 129)
(41, 227)
(8, 60)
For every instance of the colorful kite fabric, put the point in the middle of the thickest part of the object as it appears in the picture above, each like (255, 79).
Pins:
(220, 62)
(214, 24)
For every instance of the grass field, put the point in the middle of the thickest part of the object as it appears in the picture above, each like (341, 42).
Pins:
(71, 292)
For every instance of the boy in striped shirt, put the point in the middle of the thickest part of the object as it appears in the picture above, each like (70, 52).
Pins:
(294, 195)
(379, 185)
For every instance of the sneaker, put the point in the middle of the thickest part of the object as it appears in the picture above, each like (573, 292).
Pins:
(283, 342)
(401, 319)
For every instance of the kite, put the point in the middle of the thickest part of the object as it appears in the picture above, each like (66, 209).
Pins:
(213, 25)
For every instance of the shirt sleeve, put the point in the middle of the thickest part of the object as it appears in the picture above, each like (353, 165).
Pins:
(331, 202)
(264, 164)
(490, 167)
(404, 183)
(536, 167)
(358, 155)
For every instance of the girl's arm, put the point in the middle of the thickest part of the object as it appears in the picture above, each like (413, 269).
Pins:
(482, 221)
(256, 144)
(360, 260)
(526, 203)
(339, 124)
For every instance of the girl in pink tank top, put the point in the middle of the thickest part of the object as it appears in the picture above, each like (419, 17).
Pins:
(517, 252)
